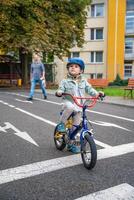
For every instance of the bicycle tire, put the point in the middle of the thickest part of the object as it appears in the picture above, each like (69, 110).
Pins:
(59, 140)
(89, 163)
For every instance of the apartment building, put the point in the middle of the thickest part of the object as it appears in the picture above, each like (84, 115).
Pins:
(129, 40)
(109, 41)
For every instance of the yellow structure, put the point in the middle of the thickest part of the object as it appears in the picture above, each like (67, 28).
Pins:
(19, 82)
(2, 52)
(116, 38)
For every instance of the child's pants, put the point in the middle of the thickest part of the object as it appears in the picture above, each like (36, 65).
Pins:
(68, 108)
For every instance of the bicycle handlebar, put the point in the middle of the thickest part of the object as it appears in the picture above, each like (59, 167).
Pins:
(75, 99)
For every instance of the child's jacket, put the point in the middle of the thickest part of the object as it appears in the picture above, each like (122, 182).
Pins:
(76, 87)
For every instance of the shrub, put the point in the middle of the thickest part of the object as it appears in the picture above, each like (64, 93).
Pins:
(118, 82)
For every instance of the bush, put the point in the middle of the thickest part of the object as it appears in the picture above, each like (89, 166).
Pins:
(118, 82)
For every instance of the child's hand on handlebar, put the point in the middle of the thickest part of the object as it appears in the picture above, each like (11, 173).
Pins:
(58, 94)
(101, 95)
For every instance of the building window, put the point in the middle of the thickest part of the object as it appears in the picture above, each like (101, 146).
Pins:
(130, 4)
(130, 22)
(99, 56)
(99, 75)
(75, 54)
(128, 71)
(92, 75)
(129, 45)
(96, 33)
(96, 56)
(97, 10)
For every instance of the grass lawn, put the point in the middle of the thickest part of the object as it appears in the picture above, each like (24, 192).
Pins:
(113, 91)
(109, 91)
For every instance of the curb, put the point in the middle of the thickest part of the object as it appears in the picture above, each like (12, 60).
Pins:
(118, 104)
(105, 102)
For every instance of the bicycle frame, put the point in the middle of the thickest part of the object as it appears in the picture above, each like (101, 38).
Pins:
(84, 126)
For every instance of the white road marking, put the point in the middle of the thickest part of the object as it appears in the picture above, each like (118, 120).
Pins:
(100, 113)
(100, 123)
(23, 101)
(23, 135)
(5, 103)
(52, 102)
(102, 144)
(43, 167)
(11, 106)
(54, 124)
(109, 115)
(36, 117)
(119, 192)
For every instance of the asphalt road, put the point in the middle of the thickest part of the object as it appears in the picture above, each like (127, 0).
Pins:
(32, 169)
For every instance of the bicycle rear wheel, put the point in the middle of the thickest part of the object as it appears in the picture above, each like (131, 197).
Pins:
(88, 151)
(59, 139)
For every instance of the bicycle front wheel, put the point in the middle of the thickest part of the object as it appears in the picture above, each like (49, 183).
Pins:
(88, 151)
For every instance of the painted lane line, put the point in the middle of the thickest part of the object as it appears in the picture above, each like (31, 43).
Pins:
(11, 106)
(5, 103)
(23, 101)
(43, 167)
(54, 124)
(36, 117)
(96, 112)
(119, 192)
(107, 124)
(109, 115)
(100, 123)
(102, 144)
(52, 102)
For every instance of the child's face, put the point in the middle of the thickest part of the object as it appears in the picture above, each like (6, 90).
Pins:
(74, 69)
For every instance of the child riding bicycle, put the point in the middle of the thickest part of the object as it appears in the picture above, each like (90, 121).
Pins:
(75, 85)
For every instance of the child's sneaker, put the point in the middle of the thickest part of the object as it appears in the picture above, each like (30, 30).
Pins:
(73, 148)
(61, 128)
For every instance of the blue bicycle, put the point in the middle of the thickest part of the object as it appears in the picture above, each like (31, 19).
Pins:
(82, 135)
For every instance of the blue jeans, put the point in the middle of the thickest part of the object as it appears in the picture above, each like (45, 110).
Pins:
(33, 84)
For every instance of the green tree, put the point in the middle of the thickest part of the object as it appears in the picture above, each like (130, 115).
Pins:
(50, 25)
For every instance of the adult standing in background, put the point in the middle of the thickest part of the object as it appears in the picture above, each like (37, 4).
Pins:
(37, 75)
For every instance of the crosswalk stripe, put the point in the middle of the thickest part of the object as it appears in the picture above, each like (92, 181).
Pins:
(42, 167)
(119, 192)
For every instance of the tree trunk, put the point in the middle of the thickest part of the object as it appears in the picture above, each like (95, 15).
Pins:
(24, 66)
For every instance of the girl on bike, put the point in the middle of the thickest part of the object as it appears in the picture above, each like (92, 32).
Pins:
(75, 85)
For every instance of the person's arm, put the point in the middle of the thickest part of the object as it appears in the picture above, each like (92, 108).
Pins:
(90, 90)
(43, 72)
(31, 72)
(61, 89)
